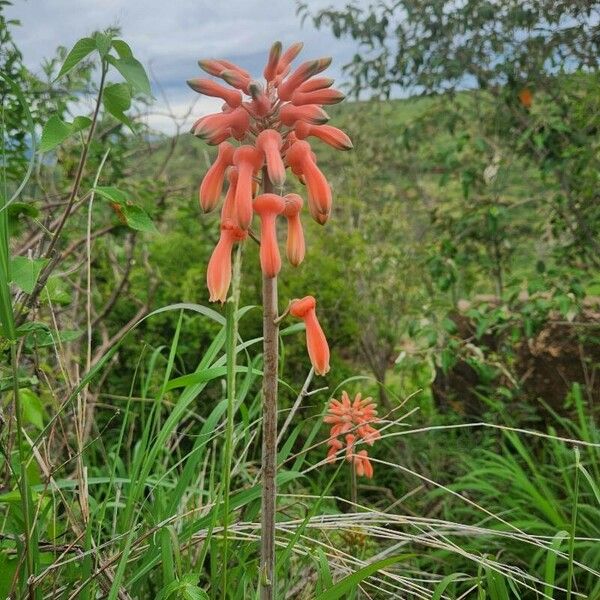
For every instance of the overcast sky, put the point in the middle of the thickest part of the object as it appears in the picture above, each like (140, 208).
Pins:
(170, 36)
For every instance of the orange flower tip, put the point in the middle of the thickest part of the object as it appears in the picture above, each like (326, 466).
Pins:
(300, 307)
(317, 83)
(322, 64)
(211, 66)
(273, 61)
(235, 79)
(255, 89)
(288, 56)
(322, 218)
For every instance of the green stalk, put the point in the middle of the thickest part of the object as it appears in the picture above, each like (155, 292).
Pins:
(231, 328)
(573, 527)
(26, 501)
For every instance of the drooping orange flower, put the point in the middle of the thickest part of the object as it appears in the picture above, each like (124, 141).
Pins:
(268, 207)
(352, 421)
(295, 248)
(302, 162)
(316, 342)
(212, 184)
(269, 142)
(218, 274)
(228, 208)
(248, 160)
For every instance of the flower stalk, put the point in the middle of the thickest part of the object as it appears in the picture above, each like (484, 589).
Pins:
(269, 445)
(269, 120)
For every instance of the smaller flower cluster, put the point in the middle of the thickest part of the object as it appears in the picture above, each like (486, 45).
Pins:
(351, 420)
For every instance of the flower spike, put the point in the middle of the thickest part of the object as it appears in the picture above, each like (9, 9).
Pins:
(354, 421)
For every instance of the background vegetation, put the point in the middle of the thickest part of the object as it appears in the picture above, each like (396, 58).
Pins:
(458, 284)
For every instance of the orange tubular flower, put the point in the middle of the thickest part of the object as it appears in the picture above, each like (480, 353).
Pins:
(270, 71)
(312, 113)
(304, 72)
(327, 133)
(318, 83)
(316, 343)
(228, 209)
(212, 88)
(302, 162)
(288, 56)
(260, 105)
(211, 66)
(248, 160)
(212, 127)
(353, 420)
(236, 79)
(267, 207)
(295, 248)
(269, 142)
(326, 96)
(218, 274)
(212, 184)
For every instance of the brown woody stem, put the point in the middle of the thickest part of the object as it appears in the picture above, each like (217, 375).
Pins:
(269, 445)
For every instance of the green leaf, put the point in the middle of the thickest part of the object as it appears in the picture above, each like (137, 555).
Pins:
(8, 568)
(349, 583)
(57, 291)
(25, 271)
(57, 131)
(550, 568)
(16, 209)
(137, 218)
(117, 99)
(112, 193)
(80, 50)
(122, 48)
(440, 588)
(33, 410)
(103, 43)
(133, 72)
(46, 337)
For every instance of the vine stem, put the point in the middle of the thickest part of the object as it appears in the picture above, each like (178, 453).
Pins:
(231, 328)
(269, 442)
